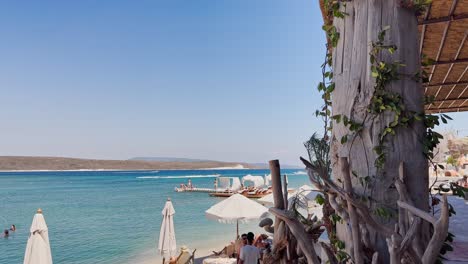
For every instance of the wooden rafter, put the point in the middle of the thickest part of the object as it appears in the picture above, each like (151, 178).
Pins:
(446, 83)
(450, 100)
(423, 31)
(451, 61)
(443, 19)
(441, 47)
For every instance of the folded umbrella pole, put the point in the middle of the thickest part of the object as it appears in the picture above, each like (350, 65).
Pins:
(167, 246)
(38, 247)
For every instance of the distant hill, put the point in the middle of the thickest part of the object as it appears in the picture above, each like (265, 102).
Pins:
(283, 166)
(172, 159)
(167, 159)
(59, 163)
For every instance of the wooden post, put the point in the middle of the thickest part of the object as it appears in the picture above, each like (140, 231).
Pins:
(278, 198)
(285, 191)
(286, 229)
(276, 184)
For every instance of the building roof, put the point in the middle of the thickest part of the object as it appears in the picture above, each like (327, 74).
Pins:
(443, 33)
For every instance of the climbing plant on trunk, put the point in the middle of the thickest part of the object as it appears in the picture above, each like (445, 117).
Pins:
(380, 139)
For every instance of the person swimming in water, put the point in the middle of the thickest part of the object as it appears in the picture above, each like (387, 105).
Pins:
(6, 233)
(13, 228)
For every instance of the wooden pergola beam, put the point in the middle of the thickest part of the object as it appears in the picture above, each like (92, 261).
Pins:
(445, 84)
(450, 61)
(443, 19)
(445, 110)
(449, 100)
(423, 31)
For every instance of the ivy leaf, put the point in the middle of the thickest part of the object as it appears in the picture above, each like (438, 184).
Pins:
(447, 117)
(337, 118)
(320, 199)
(344, 139)
(321, 86)
(444, 120)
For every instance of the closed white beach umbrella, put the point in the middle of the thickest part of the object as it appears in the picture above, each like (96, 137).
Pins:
(235, 209)
(38, 247)
(167, 241)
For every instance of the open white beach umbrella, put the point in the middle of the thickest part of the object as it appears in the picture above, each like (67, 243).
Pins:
(38, 247)
(235, 209)
(167, 241)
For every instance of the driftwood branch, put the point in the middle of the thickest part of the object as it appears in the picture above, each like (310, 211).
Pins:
(355, 232)
(329, 252)
(337, 207)
(418, 212)
(393, 244)
(409, 236)
(404, 197)
(404, 242)
(440, 233)
(375, 258)
(415, 252)
(297, 229)
(362, 210)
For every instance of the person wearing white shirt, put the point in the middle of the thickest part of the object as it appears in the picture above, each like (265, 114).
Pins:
(249, 253)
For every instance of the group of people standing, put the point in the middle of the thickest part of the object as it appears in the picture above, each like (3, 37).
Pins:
(6, 232)
(189, 185)
(252, 249)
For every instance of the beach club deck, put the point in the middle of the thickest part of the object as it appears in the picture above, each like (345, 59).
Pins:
(204, 190)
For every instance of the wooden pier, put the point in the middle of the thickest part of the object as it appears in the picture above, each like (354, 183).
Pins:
(204, 190)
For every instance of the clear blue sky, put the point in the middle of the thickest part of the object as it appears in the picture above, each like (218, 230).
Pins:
(227, 80)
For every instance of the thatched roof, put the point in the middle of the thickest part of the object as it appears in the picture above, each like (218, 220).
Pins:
(443, 33)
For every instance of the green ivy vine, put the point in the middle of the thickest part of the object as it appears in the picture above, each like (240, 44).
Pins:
(382, 102)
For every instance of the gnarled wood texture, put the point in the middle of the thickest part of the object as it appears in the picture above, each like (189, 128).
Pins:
(354, 87)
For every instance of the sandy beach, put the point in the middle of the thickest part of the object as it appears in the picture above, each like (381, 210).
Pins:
(152, 257)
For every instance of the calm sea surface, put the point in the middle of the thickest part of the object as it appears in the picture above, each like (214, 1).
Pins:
(111, 217)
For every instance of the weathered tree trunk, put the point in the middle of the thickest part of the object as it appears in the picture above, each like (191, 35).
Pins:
(353, 91)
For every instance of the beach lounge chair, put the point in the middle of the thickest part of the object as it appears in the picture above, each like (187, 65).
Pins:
(221, 252)
(185, 257)
(227, 251)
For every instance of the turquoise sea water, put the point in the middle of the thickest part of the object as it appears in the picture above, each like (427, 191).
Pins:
(104, 217)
